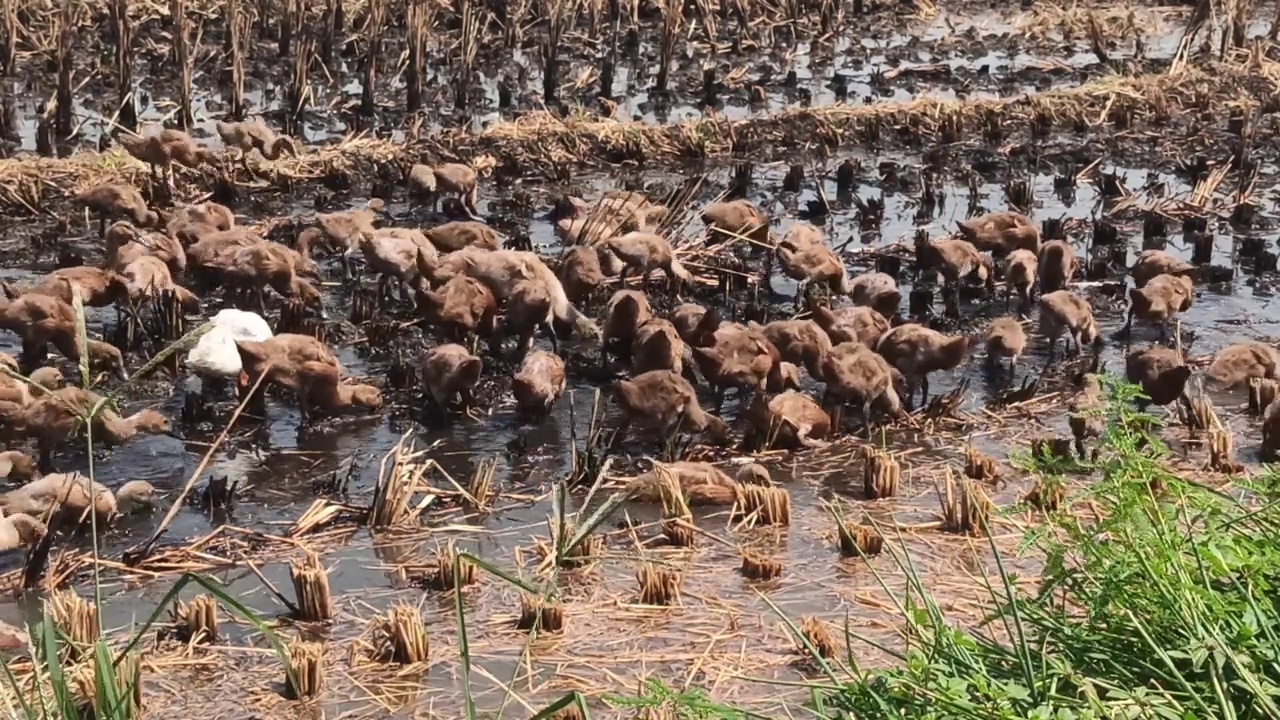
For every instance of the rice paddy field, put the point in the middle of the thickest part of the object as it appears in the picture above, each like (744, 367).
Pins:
(1117, 127)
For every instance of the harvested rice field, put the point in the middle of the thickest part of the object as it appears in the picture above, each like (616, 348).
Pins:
(494, 462)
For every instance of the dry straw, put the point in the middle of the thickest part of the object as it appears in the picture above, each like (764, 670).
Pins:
(480, 487)
(758, 567)
(1197, 412)
(819, 637)
(452, 570)
(197, 621)
(763, 505)
(677, 522)
(979, 466)
(658, 585)
(126, 675)
(965, 506)
(881, 474)
(306, 660)
(402, 635)
(311, 587)
(544, 616)
(859, 540)
(398, 477)
(76, 620)
(1262, 392)
(589, 550)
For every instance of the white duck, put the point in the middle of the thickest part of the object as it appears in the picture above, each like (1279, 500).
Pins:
(215, 353)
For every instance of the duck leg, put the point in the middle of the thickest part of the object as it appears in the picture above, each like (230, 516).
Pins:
(45, 447)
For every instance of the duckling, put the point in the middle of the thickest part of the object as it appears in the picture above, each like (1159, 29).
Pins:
(528, 310)
(1006, 338)
(306, 366)
(215, 353)
(876, 290)
(41, 320)
(267, 264)
(854, 374)
(686, 317)
(580, 273)
(789, 420)
(452, 236)
(253, 134)
(1159, 301)
(955, 260)
(703, 484)
(125, 244)
(1057, 264)
(538, 383)
(191, 220)
(149, 274)
(114, 200)
(1064, 310)
(1020, 273)
(448, 371)
(738, 357)
(1271, 431)
(753, 474)
(645, 252)
(464, 305)
(807, 260)
(1085, 410)
(98, 287)
(1237, 364)
(1001, 232)
(220, 244)
(1161, 373)
(800, 342)
(162, 150)
(16, 391)
(1153, 263)
(17, 467)
(727, 220)
(657, 346)
(578, 222)
(916, 351)
(55, 417)
(429, 182)
(851, 324)
(392, 253)
(340, 232)
(20, 530)
(627, 311)
(500, 270)
(74, 497)
(662, 400)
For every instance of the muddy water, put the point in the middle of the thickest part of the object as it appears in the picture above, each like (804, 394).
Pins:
(722, 615)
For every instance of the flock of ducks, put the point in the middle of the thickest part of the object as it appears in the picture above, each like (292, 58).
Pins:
(458, 278)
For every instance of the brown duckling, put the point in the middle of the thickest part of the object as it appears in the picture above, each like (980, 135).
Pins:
(17, 467)
(55, 417)
(1271, 431)
(464, 304)
(800, 342)
(452, 236)
(1086, 419)
(125, 244)
(1064, 310)
(956, 260)
(737, 357)
(645, 252)
(686, 317)
(580, 272)
(220, 244)
(41, 320)
(110, 201)
(703, 484)
(878, 291)
(1056, 265)
(1160, 300)
(98, 287)
(190, 221)
(338, 232)
(1006, 338)
(1001, 232)
(430, 182)
(538, 383)
(789, 420)
(727, 220)
(16, 391)
(1237, 364)
(149, 274)
(20, 530)
(1020, 273)
(306, 366)
(806, 259)
(662, 400)
(657, 346)
(254, 134)
(627, 311)
(528, 309)
(392, 253)
(855, 374)
(448, 371)
(267, 264)
(1153, 263)
(851, 324)
(162, 150)
(916, 351)
(73, 497)
(1161, 373)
